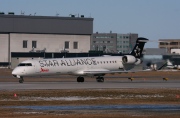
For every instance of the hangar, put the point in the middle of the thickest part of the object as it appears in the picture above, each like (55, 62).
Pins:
(22, 33)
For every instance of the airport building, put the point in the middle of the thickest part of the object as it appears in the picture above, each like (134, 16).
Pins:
(23, 37)
(169, 44)
(172, 47)
(159, 57)
(22, 33)
(113, 42)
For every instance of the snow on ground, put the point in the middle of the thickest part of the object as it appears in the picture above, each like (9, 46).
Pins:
(75, 98)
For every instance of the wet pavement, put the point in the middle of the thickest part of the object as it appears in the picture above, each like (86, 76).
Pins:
(104, 107)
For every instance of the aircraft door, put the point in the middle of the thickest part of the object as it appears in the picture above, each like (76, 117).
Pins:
(37, 67)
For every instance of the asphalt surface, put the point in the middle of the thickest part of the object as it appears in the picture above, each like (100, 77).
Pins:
(119, 81)
(90, 85)
(111, 82)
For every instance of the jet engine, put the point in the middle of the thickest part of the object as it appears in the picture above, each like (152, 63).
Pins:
(154, 66)
(129, 59)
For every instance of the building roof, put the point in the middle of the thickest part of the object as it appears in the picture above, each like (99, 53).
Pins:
(155, 51)
(45, 24)
(169, 40)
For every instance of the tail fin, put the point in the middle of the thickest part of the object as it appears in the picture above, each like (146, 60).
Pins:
(169, 63)
(138, 48)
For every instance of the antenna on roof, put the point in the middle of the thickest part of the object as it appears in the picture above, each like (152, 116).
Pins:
(22, 13)
(57, 14)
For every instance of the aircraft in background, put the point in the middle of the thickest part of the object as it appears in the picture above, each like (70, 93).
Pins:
(171, 66)
(84, 66)
(153, 66)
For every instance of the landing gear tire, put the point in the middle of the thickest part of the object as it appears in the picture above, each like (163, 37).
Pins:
(80, 79)
(21, 80)
(100, 79)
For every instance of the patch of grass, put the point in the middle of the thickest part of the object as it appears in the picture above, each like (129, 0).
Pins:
(104, 96)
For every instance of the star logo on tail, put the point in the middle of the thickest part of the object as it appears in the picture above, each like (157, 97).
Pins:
(137, 51)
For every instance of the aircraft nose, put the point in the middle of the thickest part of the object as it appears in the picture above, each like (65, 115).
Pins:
(15, 72)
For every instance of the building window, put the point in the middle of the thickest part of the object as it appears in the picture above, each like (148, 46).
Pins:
(24, 44)
(66, 44)
(34, 44)
(96, 47)
(174, 43)
(75, 45)
(119, 37)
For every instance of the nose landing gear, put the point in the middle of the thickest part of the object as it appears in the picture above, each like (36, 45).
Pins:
(21, 80)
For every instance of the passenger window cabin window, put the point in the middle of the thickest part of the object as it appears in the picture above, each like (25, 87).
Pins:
(21, 64)
(28, 64)
(25, 64)
(24, 44)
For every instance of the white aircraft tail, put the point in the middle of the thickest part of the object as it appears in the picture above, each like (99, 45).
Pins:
(169, 63)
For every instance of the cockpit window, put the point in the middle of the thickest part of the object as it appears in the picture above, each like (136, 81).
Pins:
(25, 64)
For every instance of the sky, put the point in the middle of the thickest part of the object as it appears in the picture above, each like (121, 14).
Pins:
(152, 19)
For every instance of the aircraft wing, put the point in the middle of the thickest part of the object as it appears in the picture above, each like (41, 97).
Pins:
(101, 72)
(106, 71)
(111, 72)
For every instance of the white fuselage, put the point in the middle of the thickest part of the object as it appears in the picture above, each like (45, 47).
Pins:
(74, 66)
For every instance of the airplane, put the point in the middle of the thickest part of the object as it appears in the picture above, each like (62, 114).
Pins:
(82, 66)
(153, 66)
(171, 66)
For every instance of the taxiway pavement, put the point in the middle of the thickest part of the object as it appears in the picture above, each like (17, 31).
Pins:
(89, 85)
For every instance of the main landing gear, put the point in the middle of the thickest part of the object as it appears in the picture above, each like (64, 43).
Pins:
(100, 79)
(80, 79)
(21, 80)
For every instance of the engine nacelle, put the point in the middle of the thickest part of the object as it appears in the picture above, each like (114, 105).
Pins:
(178, 67)
(138, 61)
(129, 59)
(154, 66)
